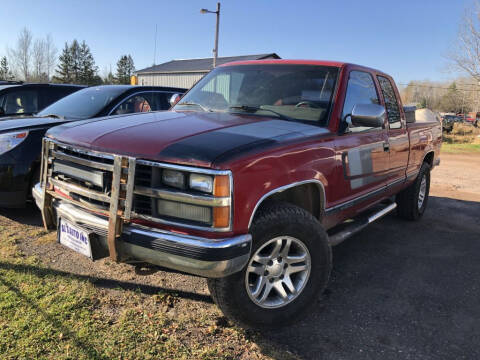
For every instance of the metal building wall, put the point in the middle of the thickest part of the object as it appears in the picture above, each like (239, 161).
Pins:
(183, 80)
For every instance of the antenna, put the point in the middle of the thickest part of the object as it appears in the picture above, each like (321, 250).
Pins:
(155, 47)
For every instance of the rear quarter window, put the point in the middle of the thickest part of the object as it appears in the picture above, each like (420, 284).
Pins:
(391, 103)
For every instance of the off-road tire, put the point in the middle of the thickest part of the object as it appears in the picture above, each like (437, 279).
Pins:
(407, 199)
(274, 220)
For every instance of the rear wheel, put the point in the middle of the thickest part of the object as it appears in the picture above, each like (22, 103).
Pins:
(290, 264)
(412, 202)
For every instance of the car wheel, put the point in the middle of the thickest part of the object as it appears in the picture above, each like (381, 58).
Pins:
(289, 266)
(412, 202)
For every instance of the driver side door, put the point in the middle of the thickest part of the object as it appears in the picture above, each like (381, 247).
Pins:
(362, 151)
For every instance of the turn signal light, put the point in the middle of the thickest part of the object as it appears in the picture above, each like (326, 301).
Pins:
(221, 217)
(221, 186)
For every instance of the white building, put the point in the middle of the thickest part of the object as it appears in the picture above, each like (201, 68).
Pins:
(185, 73)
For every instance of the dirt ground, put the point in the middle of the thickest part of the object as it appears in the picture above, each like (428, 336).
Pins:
(398, 289)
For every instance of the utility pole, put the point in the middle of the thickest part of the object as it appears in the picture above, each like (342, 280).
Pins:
(155, 46)
(215, 50)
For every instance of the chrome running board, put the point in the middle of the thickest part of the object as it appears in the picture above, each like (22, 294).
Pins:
(358, 225)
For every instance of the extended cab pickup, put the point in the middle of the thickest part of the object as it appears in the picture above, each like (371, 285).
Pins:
(249, 180)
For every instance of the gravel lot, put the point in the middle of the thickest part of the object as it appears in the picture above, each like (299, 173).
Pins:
(398, 289)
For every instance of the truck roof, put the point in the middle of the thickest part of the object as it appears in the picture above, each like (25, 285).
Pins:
(301, 62)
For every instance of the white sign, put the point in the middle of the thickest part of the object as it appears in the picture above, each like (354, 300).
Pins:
(75, 238)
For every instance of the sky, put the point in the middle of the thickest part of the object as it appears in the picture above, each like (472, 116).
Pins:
(407, 39)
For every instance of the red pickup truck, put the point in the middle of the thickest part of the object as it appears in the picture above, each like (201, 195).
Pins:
(249, 180)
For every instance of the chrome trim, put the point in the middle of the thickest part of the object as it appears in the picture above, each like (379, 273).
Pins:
(213, 269)
(136, 94)
(130, 187)
(285, 187)
(195, 170)
(364, 197)
(80, 161)
(356, 201)
(195, 241)
(128, 206)
(80, 190)
(359, 225)
(179, 224)
(82, 150)
(182, 197)
(114, 221)
(382, 212)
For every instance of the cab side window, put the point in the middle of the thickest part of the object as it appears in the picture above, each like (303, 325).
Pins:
(391, 103)
(161, 100)
(134, 104)
(360, 90)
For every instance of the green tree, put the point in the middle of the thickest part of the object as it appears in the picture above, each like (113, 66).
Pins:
(77, 65)
(87, 69)
(454, 100)
(5, 73)
(64, 71)
(125, 69)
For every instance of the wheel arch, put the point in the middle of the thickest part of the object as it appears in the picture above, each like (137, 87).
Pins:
(287, 193)
(428, 158)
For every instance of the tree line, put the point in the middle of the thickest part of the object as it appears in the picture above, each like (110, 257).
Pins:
(37, 60)
(459, 96)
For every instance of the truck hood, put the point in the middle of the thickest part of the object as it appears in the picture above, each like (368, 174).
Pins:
(20, 123)
(193, 138)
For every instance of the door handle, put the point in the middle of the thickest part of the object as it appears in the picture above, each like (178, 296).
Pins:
(386, 146)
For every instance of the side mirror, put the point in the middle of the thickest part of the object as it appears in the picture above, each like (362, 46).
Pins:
(175, 99)
(2, 111)
(368, 115)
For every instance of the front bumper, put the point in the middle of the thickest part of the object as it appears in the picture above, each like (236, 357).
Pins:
(194, 255)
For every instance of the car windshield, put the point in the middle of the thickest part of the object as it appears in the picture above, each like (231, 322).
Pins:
(298, 92)
(84, 103)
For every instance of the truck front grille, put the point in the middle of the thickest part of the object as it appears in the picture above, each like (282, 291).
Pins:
(124, 187)
(84, 176)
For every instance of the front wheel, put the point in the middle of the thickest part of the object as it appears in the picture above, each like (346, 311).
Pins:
(290, 264)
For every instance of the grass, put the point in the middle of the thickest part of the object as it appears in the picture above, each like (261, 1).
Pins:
(49, 314)
(460, 148)
(463, 139)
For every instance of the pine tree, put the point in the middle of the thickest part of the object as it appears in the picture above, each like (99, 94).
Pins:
(65, 67)
(76, 65)
(87, 68)
(125, 69)
(75, 55)
(5, 73)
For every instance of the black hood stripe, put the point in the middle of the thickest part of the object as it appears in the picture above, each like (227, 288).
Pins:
(224, 144)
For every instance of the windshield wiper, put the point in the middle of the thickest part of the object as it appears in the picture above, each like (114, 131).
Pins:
(195, 104)
(55, 116)
(252, 109)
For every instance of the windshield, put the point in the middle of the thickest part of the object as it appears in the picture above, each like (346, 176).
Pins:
(299, 92)
(84, 103)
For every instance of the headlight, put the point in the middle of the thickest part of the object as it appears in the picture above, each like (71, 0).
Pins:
(202, 183)
(10, 140)
(173, 178)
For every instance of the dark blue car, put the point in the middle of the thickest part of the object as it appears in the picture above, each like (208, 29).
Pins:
(21, 138)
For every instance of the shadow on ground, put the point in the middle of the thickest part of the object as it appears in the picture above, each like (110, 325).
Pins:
(29, 215)
(398, 290)
(106, 283)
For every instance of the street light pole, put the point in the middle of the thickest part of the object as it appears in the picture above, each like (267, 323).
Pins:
(215, 50)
